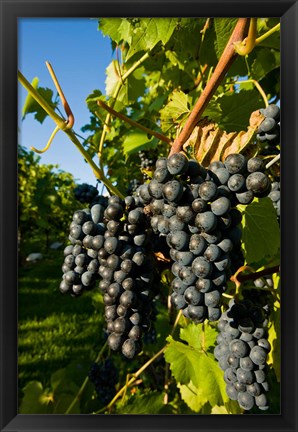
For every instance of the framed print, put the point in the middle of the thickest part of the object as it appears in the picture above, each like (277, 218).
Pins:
(148, 258)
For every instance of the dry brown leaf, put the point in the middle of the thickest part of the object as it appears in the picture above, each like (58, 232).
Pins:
(210, 143)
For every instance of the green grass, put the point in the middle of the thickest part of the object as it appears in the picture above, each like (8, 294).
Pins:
(54, 329)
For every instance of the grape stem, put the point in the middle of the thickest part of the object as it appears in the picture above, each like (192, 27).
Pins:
(133, 123)
(247, 45)
(240, 277)
(227, 58)
(273, 161)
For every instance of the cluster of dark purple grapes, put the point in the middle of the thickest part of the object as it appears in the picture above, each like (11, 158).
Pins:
(269, 129)
(242, 349)
(86, 234)
(104, 376)
(274, 195)
(147, 161)
(192, 207)
(128, 276)
(85, 193)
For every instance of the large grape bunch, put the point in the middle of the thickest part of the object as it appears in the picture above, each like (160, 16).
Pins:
(80, 266)
(127, 270)
(242, 349)
(193, 208)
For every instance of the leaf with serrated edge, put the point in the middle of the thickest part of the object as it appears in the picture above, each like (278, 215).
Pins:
(194, 367)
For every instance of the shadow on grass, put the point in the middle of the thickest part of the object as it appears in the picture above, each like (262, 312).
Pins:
(54, 329)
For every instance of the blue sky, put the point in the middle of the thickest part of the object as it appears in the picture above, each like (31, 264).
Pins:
(79, 55)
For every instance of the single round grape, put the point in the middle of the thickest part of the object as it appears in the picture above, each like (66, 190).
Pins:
(255, 164)
(245, 400)
(264, 343)
(222, 175)
(177, 163)
(139, 258)
(168, 210)
(223, 264)
(130, 348)
(135, 333)
(225, 245)
(258, 355)
(212, 298)
(231, 331)
(114, 290)
(199, 205)
(155, 189)
(178, 301)
(79, 217)
(178, 286)
(208, 191)
(206, 221)
(111, 245)
(161, 162)
(193, 296)
(214, 237)
(259, 333)
(220, 351)
(184, 258)
(64, 286)
(179, 240)
(230, 375)
(267, 125)
(162, 175)
(115, 341)
(236, 183)
(110, 312)
(240, 387)
(235, 163)
(201, 267)
(135, 216)
(175, 224)
(233, 362)
(113, 262)
(157, 206)
(254, 389)
(197, 244)
(204, 285)
(197, 313)
(127, 299)
(140, 240)
(239, 348)
(121, 325)
(245, 197)
(135, 318)
(173, 191)
(261, 400)
(186, 275)
(113, 212)
(220, 206)
(257, 182)
(246, 363)
(212, 253)
(214, 313)
(231, 391)
(144, 193)
(119, 276)
(245, 376)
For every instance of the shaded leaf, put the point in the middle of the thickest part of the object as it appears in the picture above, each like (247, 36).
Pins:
(223, 28)
(260, 230)
(136, 141)
(151, 403)
(36, 399)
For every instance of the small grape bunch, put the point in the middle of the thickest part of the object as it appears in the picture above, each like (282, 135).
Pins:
(269, 129)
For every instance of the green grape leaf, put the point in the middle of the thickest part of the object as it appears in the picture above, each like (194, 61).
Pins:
(266, 60)
(36, 399)
(117, 29)
(131, 88)
(223, 28)
(260, 230)
(194, 367)
(149, 403)
(235, 110)
(176, 109)
(151, 31)
(136, 141)
(31, 106)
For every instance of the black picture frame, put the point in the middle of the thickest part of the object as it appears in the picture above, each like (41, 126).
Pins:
(10, 420)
